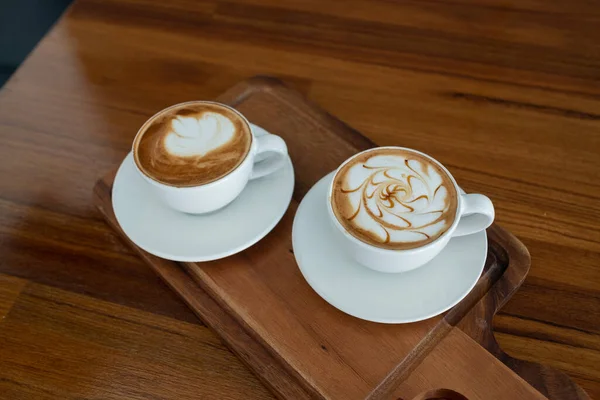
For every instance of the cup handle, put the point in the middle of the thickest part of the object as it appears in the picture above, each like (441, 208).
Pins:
(476, 214)
(271, 163)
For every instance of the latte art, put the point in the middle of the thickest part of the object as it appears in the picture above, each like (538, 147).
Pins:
(394, 198)
(191, 136)
(192, 144)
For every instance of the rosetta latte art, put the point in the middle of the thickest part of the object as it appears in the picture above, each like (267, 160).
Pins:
(394, 199)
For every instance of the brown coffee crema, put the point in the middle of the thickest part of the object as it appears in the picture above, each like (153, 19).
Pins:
(394, 198)
(192, 144)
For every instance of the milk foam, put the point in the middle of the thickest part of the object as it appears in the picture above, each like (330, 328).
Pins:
(192, 144)
(396, 198)
(197, 136)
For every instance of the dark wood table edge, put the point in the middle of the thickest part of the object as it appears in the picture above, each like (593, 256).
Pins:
(473, 315)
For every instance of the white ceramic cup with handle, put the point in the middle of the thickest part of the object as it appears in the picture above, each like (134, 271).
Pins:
(266, 154)
(465, 213)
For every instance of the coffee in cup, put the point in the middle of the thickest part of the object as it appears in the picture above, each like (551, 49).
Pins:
(192, 144)
(394, 199)
(397, 208)
(198, 156)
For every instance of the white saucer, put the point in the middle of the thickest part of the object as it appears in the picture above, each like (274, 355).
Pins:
(183, 237)
(375, 296)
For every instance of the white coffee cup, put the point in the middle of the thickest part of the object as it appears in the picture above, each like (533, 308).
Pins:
(474, 213)
(267, 154)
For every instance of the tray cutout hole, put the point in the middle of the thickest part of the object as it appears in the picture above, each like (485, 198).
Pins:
(441, 394)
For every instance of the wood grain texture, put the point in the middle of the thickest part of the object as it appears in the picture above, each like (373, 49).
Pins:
(230, 330)
(56, 344)
(505, 93)
(10, 288)
(457, 364)
(299, 345)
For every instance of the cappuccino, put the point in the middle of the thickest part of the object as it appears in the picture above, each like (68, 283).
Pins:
(192, 144)
(394, 198)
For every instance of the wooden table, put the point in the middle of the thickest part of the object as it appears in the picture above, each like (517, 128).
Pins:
(506, 93)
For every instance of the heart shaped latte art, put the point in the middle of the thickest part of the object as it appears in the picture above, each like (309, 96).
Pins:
(197, 136)
(394, 199)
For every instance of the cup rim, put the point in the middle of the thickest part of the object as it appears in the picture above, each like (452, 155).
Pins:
(153, 181)
(423, 248)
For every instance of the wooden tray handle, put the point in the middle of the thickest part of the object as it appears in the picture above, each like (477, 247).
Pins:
(477, 323)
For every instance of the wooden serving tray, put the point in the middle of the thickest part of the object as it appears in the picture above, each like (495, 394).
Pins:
(303, 348)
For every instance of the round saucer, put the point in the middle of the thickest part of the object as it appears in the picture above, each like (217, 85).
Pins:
(173, 235)
(376, 296)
